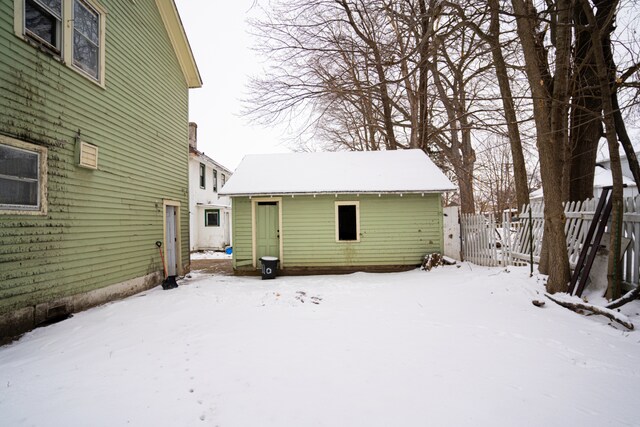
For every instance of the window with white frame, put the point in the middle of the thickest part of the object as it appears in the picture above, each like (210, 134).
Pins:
(347, 221)
(43, 22)
(23, 176)
(212, 218)
(215, 180)
(86, 38)
(224, 180)
(79, 44)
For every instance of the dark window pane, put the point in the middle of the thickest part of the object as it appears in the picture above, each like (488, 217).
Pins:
(202, 176)
(347, 223)
(212, 218)
(86, 38)
(85, 54)
(85, 21)
(18, 163)
(54, 6)
(42, 23)
(24, 193)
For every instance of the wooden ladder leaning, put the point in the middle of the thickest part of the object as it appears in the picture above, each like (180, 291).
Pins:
(591, 243)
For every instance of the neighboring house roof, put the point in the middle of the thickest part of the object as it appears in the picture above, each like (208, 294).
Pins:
(204, 158)
(398, 171)
(179, 41)
(601, 178)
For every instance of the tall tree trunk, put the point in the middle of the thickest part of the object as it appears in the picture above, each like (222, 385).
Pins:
(549, 123)
(586, 126)
(519, 168)
(606, 79)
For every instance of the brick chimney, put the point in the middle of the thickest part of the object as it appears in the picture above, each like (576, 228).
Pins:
(193, 135)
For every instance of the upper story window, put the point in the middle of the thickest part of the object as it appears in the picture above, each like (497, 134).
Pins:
(203, 179)
(23, 177)
(86, 38)
(215, 180)
(43, 22)
(79, 44)
(224, 179)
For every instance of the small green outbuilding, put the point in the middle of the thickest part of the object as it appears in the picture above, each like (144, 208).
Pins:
(337, 211)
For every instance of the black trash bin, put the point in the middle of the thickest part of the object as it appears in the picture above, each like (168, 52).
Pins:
(269, 267)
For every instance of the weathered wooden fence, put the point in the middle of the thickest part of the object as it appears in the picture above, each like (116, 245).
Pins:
(479, 239)
(515, 242)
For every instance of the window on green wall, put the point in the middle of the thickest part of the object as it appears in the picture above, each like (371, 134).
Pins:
(347, 221)
(43, 22)
(80, 43)
(203, 179)
(23, 176)
(86, 38)
(212, 218)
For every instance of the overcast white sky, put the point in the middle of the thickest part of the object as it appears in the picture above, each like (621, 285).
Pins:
(217, 32)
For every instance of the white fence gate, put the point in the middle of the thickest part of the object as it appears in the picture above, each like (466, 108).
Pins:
(479, 239)
(517, 241)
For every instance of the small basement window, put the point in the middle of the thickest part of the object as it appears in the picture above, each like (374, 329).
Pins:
(23, 177)
(347, 222)
(212, 218)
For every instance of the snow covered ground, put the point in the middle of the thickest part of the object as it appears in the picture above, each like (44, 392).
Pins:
(210, 255)
(457, 346)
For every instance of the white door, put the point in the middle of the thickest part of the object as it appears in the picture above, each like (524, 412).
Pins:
(171, 241)
(451, 225)
(226, 227)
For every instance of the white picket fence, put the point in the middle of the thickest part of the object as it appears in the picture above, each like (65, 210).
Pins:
(515, 242)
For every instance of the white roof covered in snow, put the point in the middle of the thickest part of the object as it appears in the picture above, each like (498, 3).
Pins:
(398, 171)
(601, 178)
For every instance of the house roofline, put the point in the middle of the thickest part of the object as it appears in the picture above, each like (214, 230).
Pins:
(325, 193)
(180, 43)
(206, 158)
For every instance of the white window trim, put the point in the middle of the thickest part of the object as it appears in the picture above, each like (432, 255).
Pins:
(66, 54)
(337, 223)
(42, 177)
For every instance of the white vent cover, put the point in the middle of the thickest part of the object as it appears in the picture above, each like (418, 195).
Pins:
(88, 155)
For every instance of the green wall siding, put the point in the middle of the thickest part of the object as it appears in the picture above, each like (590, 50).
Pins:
(242, 249)
(101, 225)
(394, 230)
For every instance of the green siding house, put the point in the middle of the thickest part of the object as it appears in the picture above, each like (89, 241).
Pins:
(93, 153)
(347, 211)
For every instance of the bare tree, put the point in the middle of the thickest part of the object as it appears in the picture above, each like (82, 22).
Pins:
(550, 94)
